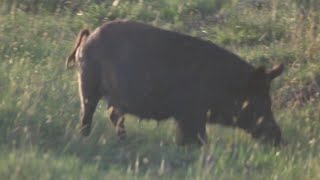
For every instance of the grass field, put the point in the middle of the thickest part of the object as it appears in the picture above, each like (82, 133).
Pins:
(39, 101)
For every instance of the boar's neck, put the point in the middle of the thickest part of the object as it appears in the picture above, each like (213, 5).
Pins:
(229, 87)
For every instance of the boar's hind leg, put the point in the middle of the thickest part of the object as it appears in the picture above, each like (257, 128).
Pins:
(117, 119)
(89, 96)
(191, 129)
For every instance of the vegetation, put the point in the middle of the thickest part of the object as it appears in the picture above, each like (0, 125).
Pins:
(39, 101)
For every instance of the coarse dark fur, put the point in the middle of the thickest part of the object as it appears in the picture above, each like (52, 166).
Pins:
(156, 74)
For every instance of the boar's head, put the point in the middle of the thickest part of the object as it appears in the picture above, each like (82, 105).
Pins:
(255, 115)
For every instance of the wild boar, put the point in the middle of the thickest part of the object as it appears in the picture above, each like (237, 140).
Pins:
(156, 74)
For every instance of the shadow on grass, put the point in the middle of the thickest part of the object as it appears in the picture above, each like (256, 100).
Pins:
(151, 150)
(146, 147)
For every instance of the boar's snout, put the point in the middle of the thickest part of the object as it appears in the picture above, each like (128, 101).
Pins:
(270, 133)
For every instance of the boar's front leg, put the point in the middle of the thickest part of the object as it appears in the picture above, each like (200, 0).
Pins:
(191, 128)
(117, 119)
(89, 98)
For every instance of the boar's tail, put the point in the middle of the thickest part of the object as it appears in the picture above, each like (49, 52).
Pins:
(71, 59)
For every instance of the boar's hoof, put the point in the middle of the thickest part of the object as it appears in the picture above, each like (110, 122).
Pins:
(183, 139)
(85, 130)
(122, 135)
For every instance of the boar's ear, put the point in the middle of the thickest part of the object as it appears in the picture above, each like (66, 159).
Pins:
(275, 71)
